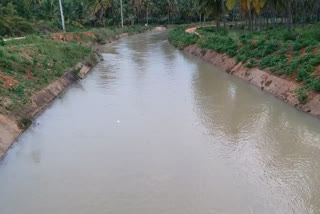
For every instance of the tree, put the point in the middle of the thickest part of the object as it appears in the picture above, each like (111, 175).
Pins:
(213, 7)
(248, 7)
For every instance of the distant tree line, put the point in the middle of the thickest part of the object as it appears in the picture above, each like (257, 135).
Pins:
(259, 14)
(105, 12)
(251, 14)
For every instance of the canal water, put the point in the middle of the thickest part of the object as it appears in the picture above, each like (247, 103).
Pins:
(153, 130)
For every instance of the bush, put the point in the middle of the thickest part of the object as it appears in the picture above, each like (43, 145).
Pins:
(270, 61)
(15, 26)
(24, 123)
(315, 84)
(181, 39)
(302, 75)
(252, 63)
(289, 35)
(302, 95)
(1, 41)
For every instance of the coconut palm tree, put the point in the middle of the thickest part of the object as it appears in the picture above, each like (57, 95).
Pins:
(248, 7)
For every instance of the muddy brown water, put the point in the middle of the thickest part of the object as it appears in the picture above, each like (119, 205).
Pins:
(152, 130)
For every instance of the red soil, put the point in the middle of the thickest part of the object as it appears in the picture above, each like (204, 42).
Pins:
(7, 81)
(280, 87)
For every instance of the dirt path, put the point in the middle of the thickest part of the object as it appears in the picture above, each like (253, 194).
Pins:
(17, 38)
(193, 30)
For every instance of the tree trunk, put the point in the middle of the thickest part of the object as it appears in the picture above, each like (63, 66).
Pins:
(266, 23)
(289, 15)
(304, 15)
(218, 23)
(250, 20)
(255, 22)
(147, 17)
(223, 14)
(234, 21)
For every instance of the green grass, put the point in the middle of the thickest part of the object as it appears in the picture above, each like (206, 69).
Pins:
(33, 63)
(293, 53)
(38, 60)
(179, 38)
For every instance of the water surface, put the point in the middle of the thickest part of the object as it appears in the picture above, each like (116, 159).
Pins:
(152, 130)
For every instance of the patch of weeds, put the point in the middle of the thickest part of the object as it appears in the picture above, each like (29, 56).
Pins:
(297, 46)
(289, 35)
(241, 58)
(270, 61)
(24, 123)
(309, 49)
(314, 84)
(252, 63)
(1, 41)
(19, 90)
(315, 61)
(203, 50)
(92, 59)
(302, 75)
(181, 39)
(302, 95)
(76, 70)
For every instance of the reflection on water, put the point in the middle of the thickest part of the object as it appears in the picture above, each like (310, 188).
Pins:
(152, 130)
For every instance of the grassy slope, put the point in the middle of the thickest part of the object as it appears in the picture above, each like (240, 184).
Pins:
(294, 55)
(27, 66)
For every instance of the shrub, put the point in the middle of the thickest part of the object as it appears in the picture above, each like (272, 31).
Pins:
(289, 35)
(1, 41)
(315, 84)
(302, 95)
(24, 123)
(269, 61)
(302, 75)
(179, 38)
(241, 58)
(15, 26)
(252, 63)
(19, 90)
(315, 61)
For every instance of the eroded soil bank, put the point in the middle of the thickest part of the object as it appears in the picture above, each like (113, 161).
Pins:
(10, 125)
(279, 87)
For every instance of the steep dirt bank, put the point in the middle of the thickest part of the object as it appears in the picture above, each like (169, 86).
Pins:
(279, 87)
(9, 125)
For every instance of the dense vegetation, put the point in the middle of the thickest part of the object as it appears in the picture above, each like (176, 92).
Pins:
(20, 17)
(253, 32)
(28, 65)
(279, 35)
(260, 14)
(291, 54)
